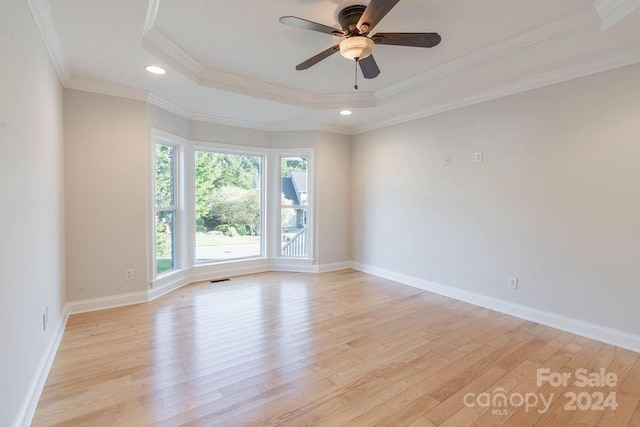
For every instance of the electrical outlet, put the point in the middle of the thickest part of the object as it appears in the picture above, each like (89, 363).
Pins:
(447, 160)
(513, 282)
(128, 274)
(479, 157)
(44, 322)
(327, 251)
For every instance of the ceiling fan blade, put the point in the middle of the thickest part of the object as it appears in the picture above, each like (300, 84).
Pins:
(310, 25)
(374, 13)
(369, 67)
(408, 39)
(319, 57)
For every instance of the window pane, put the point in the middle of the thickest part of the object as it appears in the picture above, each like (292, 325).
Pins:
(294, 232)
(228, 206)
(165, 175)
(294, 181)
(293, 175)
(165, 241)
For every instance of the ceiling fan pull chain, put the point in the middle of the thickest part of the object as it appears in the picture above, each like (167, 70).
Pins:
(356, 85)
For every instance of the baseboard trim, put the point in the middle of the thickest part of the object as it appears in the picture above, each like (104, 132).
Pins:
(195, 274)
(114, 301)
(167, 286)
(222, 271)
(30, 402)
(336, 266)
(578, 327)
(291, 268)
(293, 265)
(163, 286)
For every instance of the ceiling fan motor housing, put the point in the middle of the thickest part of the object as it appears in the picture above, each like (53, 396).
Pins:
(349, 17)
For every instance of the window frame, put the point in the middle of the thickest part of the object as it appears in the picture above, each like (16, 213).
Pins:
(212, 147)
(278, 155)
(165, 139)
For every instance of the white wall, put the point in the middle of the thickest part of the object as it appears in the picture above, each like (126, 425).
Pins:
(333, 171)
(31, 190)
(107, 176)
(166, 121)
(556, 201)
(211, 132)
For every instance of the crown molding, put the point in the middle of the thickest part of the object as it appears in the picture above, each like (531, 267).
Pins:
(159, 45)
(524, 40)
(104, 88)
(152, 14)
(619, 59)
(43, 18)
(111, 89)
(323, 127)
(227, 121)
(168, 106)
(206, 118)
(612, 11)
(256, 88)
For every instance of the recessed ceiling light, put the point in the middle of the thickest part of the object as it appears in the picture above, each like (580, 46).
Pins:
(346, 112)
(154, 69)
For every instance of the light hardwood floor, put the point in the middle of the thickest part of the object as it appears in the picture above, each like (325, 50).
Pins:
(334, 349)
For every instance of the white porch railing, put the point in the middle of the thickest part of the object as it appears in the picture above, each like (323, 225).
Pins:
(297, 246)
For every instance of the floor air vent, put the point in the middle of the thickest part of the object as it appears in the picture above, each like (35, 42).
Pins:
(220, 280)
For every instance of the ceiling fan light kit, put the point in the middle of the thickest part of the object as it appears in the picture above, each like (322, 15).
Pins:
(356, 22)
(356, 47)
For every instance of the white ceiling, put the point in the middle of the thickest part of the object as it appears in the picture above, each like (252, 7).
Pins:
(234, 63)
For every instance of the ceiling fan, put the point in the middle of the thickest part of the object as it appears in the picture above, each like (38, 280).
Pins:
(356, 22)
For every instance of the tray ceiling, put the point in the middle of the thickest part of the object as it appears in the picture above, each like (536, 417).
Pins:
(234, 63)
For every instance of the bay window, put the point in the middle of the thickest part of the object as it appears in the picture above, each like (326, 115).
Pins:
(210, 205)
